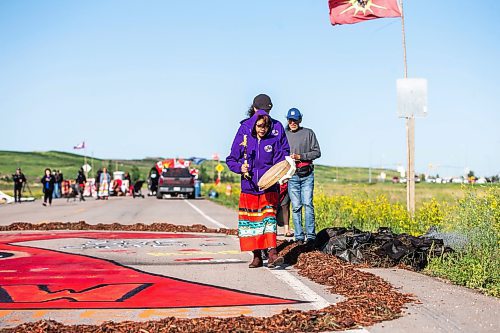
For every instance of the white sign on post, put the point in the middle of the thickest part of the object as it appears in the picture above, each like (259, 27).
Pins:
(412, 98)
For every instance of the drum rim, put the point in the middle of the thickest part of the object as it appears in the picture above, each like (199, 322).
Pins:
(275, 176)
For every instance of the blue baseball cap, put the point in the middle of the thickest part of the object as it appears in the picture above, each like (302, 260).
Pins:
(294, 114)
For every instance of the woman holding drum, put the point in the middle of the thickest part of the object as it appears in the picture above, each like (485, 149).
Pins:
(259, 144)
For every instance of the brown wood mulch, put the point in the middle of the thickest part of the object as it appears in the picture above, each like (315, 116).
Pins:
(368, 298)
(82, 225)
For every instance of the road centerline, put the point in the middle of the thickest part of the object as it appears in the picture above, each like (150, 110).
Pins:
(301, 289)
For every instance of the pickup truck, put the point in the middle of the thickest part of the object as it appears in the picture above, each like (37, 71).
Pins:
(175, 181)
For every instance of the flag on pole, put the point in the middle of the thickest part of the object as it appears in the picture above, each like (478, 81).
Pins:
(354, 11)
(80, 145)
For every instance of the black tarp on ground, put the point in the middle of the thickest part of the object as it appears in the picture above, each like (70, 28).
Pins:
(380, 249)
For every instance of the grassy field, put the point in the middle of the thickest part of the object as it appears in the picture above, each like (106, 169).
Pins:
(350, 174)
(395, 193)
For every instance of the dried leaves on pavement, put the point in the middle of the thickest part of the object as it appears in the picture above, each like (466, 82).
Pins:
(369, 299)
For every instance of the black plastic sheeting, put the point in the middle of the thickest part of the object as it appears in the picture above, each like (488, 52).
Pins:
(379, 249)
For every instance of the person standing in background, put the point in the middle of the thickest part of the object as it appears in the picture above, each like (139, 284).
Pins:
(98, 183)
(59, 181)
(57, 189)
(130, 187)
(283, 214)
(81, 180)
(19, 181)
(104, 181)
(48, 181)
(304, 148)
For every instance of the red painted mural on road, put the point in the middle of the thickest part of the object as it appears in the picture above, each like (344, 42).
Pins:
(37, 278)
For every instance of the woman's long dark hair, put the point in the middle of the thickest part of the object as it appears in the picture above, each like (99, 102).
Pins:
(250, 111)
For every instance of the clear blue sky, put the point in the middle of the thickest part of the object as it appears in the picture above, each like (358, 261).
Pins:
(174, 78)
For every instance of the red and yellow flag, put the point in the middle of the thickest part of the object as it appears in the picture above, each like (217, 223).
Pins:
(354, 11)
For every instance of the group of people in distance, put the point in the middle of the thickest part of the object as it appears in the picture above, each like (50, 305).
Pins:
(52, 184)
(260, 143)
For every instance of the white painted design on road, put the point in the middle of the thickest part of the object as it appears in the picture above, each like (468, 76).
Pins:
(197, 253)
(301, 289)
(217, 223)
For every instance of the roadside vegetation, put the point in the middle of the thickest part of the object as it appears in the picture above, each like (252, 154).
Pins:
(469, 212)
(477, 264)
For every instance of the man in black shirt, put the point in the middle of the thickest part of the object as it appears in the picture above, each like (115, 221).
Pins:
(80, 183)
(19, 181)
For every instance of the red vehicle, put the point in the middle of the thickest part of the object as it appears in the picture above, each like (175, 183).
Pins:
(175, 181)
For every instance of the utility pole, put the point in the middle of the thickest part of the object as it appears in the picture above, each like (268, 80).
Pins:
(412, 101)
(410, 177)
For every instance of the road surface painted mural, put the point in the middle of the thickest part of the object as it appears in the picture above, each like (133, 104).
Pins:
(38, 278)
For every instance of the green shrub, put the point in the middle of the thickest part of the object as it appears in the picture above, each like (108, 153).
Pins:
(477, 216)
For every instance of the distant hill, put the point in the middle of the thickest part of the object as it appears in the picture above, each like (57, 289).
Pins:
(34, 163)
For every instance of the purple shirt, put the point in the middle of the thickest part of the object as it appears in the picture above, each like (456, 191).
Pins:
(261, 155)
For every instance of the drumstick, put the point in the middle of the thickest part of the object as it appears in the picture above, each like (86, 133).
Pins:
(244, 144)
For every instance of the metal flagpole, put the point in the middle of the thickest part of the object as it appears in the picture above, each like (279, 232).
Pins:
(410, 133)
(85, 159)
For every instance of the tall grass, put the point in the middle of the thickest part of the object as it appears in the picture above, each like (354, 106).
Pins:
(370, 214)
(477, 265)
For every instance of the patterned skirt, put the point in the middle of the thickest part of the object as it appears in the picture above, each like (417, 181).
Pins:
(104, 189)
(257, 221)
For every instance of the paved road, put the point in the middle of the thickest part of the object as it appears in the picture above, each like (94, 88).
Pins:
(186, 265)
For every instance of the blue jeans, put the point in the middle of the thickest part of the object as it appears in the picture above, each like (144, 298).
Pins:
(57, 192)
(301, 195)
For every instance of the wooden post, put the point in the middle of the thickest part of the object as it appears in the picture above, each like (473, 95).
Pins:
(410, 175)
(410, 134)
